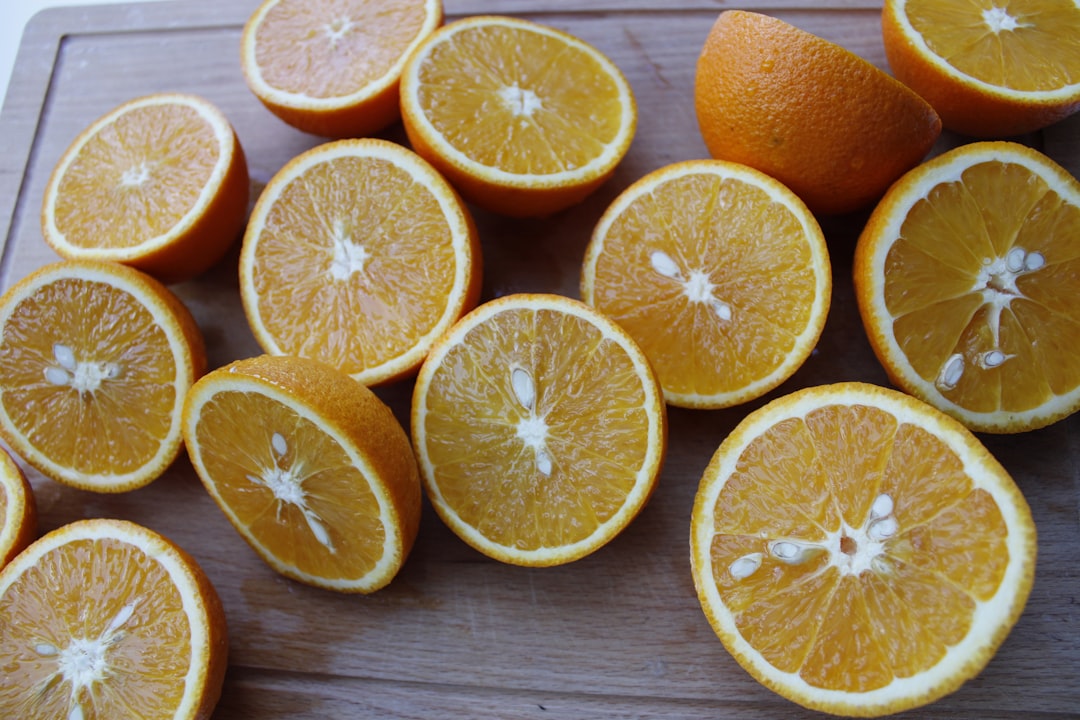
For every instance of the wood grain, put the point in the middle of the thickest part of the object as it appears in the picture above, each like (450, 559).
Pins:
(617, 634)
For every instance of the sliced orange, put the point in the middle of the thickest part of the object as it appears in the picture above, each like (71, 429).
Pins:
(309, 466)
(826, 123)
(967, 276)
(539, 428)
(989, 69)
(523, 119)
(108, 619)
(358, 254)
(719, 273)
(859, 552)
(159, 183)
(18, 510)
(95, 359)
(332, 67)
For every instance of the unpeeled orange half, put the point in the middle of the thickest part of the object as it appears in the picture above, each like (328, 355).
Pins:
(333, 67)
(310, 467)
(522, 118)
(109, 619)
(967, 276)
(989, 69)
(95, 360)
(719, 273)
(859, 552)
(539, 427)
(159, 183)
(358, 254)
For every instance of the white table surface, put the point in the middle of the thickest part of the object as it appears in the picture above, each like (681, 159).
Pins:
(14, 14)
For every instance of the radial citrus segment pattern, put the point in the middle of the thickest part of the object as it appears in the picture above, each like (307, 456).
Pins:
(358, 255)
(974, 37)
(249, 461)
(109, 350)
(718, 272)
(538, 429)
(112, 620)
(851, 540)
(572, 103)
(966, 279)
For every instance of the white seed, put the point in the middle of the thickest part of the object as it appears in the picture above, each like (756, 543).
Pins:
(882, 507)
(951, 372)
(76, 713)
(745, 566)
(884, 528)
(722, 309)
(1034, 261)
(663, 264)
(543, 462)
(46, 649)
(318, 529)
(784, 550)
(524, 388)
(1014, 261)
(277, 442)
(993, 358)
(121, 618)
(57, 376)
(64, 356)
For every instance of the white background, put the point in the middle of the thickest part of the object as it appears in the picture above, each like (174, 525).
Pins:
(14, 14)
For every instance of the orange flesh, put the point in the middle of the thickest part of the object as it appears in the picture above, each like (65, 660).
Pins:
(333, 49)
(489, 476)
(936, 288)
(1036, 54)
(314, 303)
(141, 174)
(239, 455)
(844, 630)
(489, 89)
(147, 659)
(121, 425)
(757, 260)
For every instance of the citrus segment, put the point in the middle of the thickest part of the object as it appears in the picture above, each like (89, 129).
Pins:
(18, 510)
(159, 183)
(95, 359)
(824, 122)
(523, 119)
(966, 279)
(990, 70)
(333, 67)
(109, 619)
(312, 469)
(859, 552)
(718, 272)
(539, 428)
(358, 254)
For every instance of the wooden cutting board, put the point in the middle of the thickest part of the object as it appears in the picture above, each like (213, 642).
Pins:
(617, 634)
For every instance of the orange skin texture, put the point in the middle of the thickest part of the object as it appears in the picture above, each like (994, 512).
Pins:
(965, 108)
(831, 126)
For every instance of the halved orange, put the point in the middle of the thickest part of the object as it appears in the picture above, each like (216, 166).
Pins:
(309, 466)
(18, 510)
(109, 619)
(539, 428)
(989, 69)
(967, 275)
(522, 118)
(826, 123)
(358, 254)
(332, 67)
(159, 183)
(719, 273)
(859, 552)
(95, 360)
